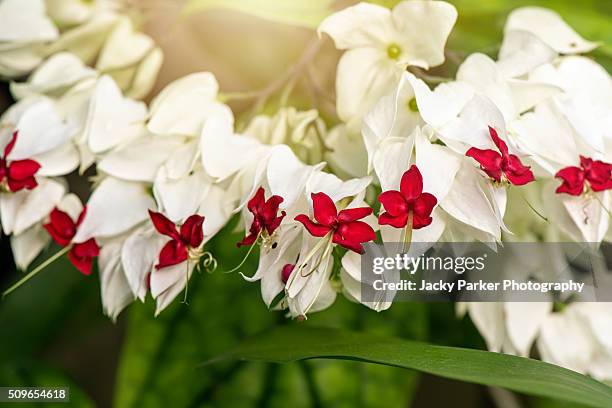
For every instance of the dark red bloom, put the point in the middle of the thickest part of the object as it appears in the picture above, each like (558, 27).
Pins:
(189, 236)
(347, 230)
(17, 174)
(286, 272)
(496, 164)
(265, 216)
(596, 172)
(62, 229)
(411, 199)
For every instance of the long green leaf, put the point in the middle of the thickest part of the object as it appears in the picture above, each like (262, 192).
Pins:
(515, 373)
(305, 13)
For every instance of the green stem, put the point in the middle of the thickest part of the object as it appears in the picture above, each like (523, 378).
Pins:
(186, 284)
(39, 268)
(407, 234)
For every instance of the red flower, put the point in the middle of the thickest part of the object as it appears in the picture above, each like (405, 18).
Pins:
(495, 164)
(596, 172)
(347, 230)
(410, 199)
(18, 174)
(264, 216)
(188, 237)
(62, 229)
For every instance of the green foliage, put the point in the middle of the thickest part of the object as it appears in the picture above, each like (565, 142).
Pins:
(520, 374)
(304, 13)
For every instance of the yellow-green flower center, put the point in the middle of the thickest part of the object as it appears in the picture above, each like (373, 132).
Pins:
(394, 51)
(412, 105)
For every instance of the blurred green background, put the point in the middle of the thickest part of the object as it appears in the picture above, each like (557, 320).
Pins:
(52, 331)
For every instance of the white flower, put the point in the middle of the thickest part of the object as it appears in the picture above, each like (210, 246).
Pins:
(303, 131)
(131, 58)
(114, 207)
(183, 106)
(53, 77)
(548, 27)
(380, 43)
(86, 40)
(578, 338)
(25, 28)
(67, 13)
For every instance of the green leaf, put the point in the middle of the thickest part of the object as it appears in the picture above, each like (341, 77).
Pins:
(304, 13)
(524, 375)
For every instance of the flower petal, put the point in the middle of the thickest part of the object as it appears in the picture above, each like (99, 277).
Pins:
(398, 221)
(361, 25)
(315, 229)
(113, 208)
(191, 230)
(324, 209)
(173, 253)
(423, 27)
(163, 225)
(489, 160)
(573, 181)
(354, 214)
(411, 184)
(393, 202)
(550, 28)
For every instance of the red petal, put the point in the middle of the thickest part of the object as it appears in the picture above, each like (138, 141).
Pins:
(316, 230)
(192, 233)
(81, 216)
(21, 175)
(585, 162)
(398, 221)
(22, 169)
(573, 180)
(248, 240)
(419, 222)
(599, 175)
(351, 245)
(163, 225)
(255, 204)
(354, 214)
(174, 252)
(411, 184)
(18, 185)
(82, 255)
(357, 231)
(9, 147)
(270, 207)
(61, 227)
(273, 225)
(490, 161)
(517, 173)
(324, 209)
(501, 145)
(394, 203)
(424, 205)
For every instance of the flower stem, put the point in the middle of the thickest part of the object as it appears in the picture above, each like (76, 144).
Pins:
(39, 268)
(407, 234)
(186, 284)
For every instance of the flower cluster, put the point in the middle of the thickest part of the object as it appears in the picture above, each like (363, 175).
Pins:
(443, 162)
